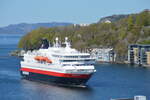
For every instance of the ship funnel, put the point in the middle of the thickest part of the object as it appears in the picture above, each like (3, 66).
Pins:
(45, 43)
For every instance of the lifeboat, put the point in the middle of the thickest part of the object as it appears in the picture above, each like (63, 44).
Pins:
(40, 58)
(48, 60)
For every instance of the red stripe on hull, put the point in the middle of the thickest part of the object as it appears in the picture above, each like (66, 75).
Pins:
(56, 73)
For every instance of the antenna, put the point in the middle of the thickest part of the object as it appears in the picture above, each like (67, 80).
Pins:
(56, 39)
(67, 43)
(49, 44)
(57, 44)
(66, 38)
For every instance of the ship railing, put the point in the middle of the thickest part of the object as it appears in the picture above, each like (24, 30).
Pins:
(78, 63)
(74, 64)
(63, 58)
(76, 60)
(79, 70)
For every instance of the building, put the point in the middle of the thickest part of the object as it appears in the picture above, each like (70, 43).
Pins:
(107, 21)
(103, 54)
(148, 58)
(139, 54)
(82, 25)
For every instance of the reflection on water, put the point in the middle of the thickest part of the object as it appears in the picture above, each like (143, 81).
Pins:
(54, 92)
(110, 81)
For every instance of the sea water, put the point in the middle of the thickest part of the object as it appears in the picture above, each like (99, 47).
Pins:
(110, 80)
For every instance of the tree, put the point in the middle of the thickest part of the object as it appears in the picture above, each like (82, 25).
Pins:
(130, 22)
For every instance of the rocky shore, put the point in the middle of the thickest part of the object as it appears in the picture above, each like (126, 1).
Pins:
(18, 53)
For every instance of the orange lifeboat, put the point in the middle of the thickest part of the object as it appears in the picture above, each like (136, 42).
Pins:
(48, 60)
(40, 58)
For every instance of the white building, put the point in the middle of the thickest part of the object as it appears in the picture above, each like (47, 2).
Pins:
(107, 21)
(84, 24)
(103, 54)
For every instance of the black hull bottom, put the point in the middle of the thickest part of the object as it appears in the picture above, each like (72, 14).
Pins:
(52, 79)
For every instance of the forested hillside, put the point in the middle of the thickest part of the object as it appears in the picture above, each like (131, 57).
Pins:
(113, 18)
(119, 34)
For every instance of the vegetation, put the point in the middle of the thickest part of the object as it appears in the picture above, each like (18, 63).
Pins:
(119, 34)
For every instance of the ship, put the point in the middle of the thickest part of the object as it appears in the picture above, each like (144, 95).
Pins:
(60, 64)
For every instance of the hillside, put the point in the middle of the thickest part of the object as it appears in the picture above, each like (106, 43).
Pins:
(24, 28)
(134, 29)
(112, 18)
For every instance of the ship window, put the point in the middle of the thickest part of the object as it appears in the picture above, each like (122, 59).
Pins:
(56, 56)
(71, 56)
(83, 64)
(84, 56)
(76, 60)
(76, 56)
(66, 64)
(77, 65)
(68, 60)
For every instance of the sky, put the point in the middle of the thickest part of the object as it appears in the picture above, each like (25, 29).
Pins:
(74, 11)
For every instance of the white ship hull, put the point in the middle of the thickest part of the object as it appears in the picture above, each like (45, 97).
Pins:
(62, 65)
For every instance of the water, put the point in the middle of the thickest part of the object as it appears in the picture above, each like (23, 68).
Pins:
(10, 38)
(110, 81)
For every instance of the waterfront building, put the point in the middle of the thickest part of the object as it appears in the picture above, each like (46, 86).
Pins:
(139, 54)
(103, 54)
(148, 58)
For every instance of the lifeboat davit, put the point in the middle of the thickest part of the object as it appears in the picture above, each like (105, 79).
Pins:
(41, 58)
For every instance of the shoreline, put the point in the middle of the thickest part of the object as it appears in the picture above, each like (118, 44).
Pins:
(20, 53)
